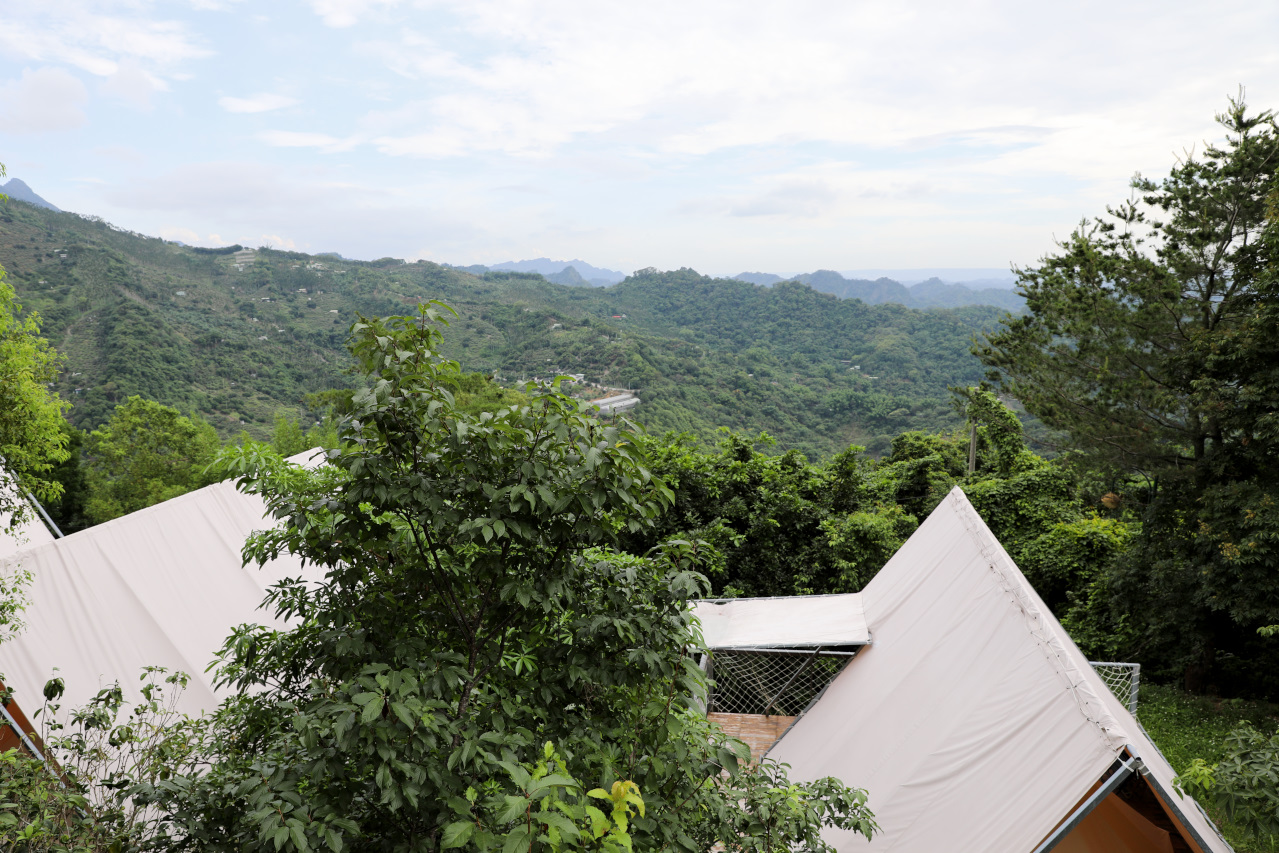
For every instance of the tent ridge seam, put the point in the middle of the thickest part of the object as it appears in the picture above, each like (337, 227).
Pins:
(996, 559)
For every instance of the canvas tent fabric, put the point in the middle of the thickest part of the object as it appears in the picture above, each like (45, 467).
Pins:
(972, 719)
(163, 586)
(29, 534)
(787, 621)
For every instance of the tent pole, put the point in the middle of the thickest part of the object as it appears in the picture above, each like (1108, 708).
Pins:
(1085, 808)
(1186, 825)
(49, 521)
(27, 741)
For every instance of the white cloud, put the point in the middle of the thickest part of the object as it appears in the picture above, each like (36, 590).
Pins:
(298, 208)
(793, 198)
(222, 187)
(297, 139)
(275, 241)
(180, 235)
(121, 154)
(47, 99)
(677, 80)
(346, 13)
(260, 103)
(96, 36)
(131, 84)
(301, 139)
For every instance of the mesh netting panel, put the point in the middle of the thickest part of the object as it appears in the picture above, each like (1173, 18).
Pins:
(761, 682)
(764, 682)
(1122, 679)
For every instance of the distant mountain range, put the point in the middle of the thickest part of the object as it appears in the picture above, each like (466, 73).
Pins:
(577, 273)
(930, 293)
(974, 277)
(19, 190)
(238, 341)
(943, 288)
(984, 288)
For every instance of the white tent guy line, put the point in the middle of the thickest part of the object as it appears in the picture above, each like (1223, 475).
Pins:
(973, 719)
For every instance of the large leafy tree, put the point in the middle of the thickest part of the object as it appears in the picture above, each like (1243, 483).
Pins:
(146, 453)
(1139, 345)
(476, 647)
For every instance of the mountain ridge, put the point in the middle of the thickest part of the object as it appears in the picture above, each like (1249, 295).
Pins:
(18, 189)
(595, 276)
(931, 293)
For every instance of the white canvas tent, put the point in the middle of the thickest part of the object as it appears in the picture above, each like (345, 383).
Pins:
(973, 720)
(162, 587)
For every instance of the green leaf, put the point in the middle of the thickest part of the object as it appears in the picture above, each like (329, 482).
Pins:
(403, 713)
(727, 760)
(372, 710)
(600, 824)
(517, 840)
(457, 834)
(512, 808)
(299, 837)
(551, 819)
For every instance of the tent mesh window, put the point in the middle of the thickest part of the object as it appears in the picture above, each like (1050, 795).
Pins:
(1123, 679)
(771, 681)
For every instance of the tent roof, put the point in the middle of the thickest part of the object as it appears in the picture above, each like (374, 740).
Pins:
(162, 586)
(973, 720)
(791, 621)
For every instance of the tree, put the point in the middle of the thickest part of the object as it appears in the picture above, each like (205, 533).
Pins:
(1137, 345)
(1102, 351)
(146, 453)
(477, 646)
(31, 438)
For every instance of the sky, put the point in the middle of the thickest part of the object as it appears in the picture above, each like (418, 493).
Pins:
(723, 135)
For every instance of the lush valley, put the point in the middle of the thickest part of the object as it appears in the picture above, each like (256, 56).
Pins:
(235, 338)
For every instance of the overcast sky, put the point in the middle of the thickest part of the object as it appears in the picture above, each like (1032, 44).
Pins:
(725, 136)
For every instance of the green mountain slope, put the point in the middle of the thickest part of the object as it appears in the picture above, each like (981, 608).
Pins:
(236, 336)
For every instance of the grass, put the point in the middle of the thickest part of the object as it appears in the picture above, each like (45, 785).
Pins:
(1187, 727)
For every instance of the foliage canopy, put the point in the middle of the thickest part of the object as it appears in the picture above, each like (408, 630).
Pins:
(1149, 343)
(146, 453)
(31, 438)
(475, 628)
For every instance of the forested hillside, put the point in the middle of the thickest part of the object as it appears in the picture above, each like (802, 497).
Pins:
(235, 336)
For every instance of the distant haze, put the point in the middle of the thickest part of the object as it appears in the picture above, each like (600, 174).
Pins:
(546, 266)
(979, 276)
